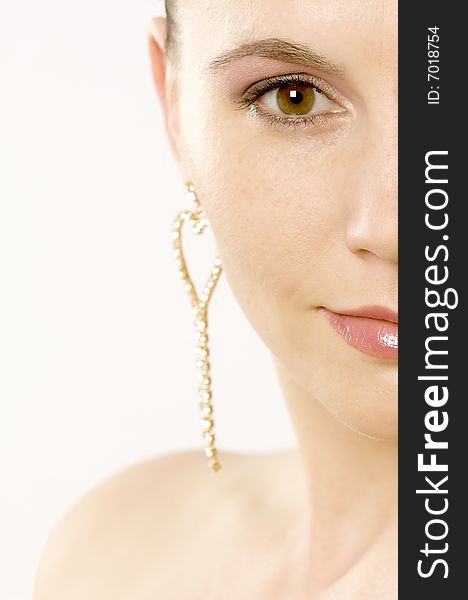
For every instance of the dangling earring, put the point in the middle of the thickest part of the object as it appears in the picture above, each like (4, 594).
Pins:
(199, 303)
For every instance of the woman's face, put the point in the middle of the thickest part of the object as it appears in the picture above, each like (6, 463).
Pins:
(300, 184)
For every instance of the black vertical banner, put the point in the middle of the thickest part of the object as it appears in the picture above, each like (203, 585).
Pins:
(433, 427)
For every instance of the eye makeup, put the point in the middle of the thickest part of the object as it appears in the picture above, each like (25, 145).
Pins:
(251, 100)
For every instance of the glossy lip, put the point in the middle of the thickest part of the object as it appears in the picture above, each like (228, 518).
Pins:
(371, 329)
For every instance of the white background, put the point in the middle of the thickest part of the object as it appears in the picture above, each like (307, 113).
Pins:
(96, 348)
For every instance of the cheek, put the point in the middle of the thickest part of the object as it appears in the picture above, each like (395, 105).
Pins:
(277, 208)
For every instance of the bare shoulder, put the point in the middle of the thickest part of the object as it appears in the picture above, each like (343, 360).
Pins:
(125, 535)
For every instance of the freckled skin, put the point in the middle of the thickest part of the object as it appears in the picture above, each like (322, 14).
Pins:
(304, 217)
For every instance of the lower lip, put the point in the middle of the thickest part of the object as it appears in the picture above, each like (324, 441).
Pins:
(375, 337)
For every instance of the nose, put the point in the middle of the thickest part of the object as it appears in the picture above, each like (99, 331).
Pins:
(372, 223)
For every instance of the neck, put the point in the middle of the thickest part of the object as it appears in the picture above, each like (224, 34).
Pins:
(350, 481)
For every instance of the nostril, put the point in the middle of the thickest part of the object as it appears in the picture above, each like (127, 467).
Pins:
(369, 233)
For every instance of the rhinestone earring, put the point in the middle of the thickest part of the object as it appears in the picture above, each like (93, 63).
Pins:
(196, 217)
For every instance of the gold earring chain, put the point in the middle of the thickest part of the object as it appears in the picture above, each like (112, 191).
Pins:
(199, 304)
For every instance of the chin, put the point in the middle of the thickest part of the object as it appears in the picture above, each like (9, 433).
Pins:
(371, 413)
(360, 391)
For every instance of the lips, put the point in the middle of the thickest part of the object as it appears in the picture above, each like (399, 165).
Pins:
(372, 329)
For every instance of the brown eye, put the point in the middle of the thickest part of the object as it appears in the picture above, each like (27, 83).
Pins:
(295, 99)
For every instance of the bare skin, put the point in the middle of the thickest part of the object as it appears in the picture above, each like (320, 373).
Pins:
(304, 214)
(266, 527)
(150, 534)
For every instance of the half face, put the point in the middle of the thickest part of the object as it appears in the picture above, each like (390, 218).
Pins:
(285, 118)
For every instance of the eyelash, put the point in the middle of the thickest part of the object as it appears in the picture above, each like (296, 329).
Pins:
(248, 101)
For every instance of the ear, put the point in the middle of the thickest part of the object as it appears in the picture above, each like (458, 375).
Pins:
(163, 78)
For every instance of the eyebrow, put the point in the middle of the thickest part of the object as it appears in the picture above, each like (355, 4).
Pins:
(277, 49)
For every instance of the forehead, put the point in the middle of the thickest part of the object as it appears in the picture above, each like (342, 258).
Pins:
(346, 31)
